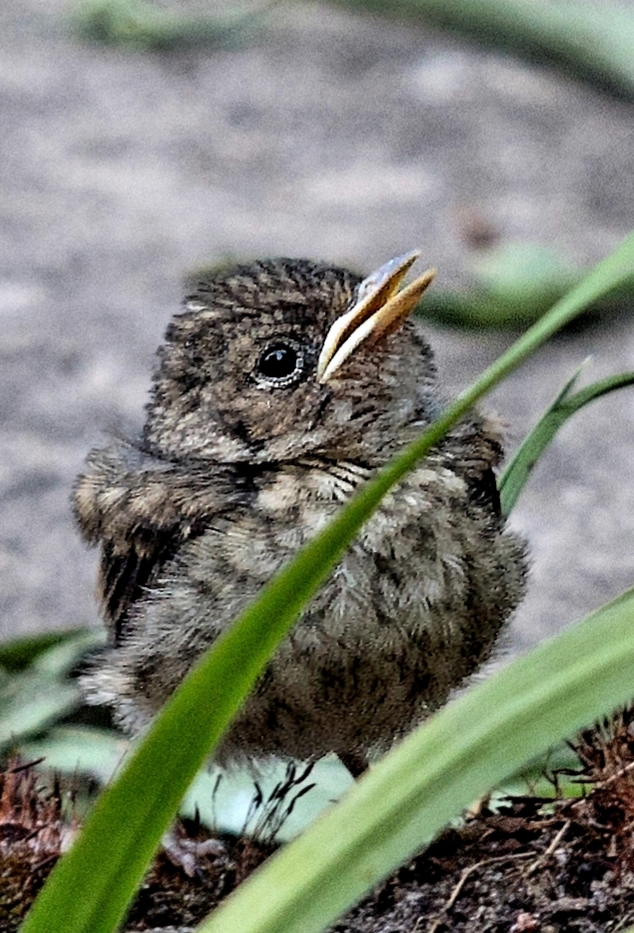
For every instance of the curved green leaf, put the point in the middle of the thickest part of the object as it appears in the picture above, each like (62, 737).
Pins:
(516, 474)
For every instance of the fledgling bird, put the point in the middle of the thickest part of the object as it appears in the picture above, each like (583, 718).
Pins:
(280, 388)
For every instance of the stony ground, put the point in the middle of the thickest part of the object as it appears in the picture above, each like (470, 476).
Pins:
(326, 134)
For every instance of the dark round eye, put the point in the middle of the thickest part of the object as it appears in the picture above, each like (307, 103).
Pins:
(280, 363)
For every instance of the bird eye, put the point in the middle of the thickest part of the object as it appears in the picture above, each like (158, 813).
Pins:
(280, 364)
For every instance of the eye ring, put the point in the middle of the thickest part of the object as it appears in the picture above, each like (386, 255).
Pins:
(281, 363)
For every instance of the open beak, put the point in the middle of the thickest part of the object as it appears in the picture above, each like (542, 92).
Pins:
(380, 308)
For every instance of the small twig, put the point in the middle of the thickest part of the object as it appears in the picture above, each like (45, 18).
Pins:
(15, 769)
(549, 851)
(469, 870)
(624, 921)
(615, 777)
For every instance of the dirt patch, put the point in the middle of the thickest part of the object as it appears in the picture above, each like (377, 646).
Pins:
(533, 866)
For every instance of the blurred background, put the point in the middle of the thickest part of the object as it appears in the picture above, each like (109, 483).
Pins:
(130, 158)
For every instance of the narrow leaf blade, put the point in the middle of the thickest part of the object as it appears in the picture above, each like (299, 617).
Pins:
(516, 474)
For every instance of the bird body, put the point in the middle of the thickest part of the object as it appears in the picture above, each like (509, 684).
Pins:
(251, 445)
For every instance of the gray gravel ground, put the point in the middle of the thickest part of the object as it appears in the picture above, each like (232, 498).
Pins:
(328, 135)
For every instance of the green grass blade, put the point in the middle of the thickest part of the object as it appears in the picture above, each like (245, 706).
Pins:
(458, 755)
(108, 860)
(516, 474)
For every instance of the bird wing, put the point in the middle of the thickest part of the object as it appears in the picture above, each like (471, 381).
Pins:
(126, 572)
(483, 491)
(141, 510)
(473, 449)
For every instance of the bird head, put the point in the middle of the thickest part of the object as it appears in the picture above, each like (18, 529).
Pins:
(287, 358)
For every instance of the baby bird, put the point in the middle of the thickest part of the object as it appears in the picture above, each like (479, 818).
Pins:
(281, 387)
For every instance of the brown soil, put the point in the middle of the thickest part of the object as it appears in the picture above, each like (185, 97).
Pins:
(532, 866)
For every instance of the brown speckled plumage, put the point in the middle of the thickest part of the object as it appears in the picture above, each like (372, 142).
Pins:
(234, 471)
